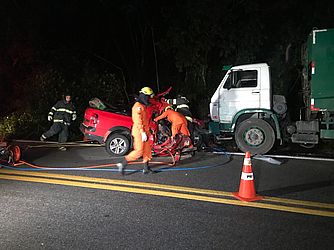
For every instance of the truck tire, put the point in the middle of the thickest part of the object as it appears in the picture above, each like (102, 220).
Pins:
(198, 139)
(255, 135)
(117, 144)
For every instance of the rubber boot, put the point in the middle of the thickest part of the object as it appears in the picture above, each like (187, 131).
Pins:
(147, 168)
(122, 165)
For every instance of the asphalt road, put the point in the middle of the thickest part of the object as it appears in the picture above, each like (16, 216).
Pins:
(188, 206)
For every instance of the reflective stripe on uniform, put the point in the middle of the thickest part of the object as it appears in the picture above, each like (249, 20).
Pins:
(65, 110)
(189, 118)
(62, 121)
(182, 106)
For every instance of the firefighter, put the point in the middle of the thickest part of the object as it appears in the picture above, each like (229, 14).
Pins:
(62, 114)
(140, 132)
(181, 106)
(178, 121)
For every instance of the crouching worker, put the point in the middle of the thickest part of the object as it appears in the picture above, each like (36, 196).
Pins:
(181, 104)
(140, 132)
(178, 121)
(62, 114)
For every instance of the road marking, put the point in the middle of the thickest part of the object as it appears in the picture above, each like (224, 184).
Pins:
(163, 187)
(167, 194)
(120, 182)
(300, 202)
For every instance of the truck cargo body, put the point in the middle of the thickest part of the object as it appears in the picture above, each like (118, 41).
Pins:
(319, 58)
(318, 80)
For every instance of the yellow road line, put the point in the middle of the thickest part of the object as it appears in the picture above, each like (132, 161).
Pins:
(300, 202)
(164, 187)
(169, 194)
(120, 182)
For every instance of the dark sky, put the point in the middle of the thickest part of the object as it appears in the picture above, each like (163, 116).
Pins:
(192, 38)
(116, 30)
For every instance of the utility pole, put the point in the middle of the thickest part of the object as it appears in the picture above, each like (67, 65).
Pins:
(155, 60)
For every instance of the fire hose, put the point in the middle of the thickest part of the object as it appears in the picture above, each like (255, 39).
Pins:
(17, 163)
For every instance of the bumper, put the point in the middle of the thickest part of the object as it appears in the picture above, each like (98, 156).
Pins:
(87, 132)
(84, 128)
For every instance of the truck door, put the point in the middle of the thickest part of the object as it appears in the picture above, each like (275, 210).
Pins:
(241, 90)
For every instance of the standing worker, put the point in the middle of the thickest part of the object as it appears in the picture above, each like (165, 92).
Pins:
(178, 121)
(62, 114)
(140, 132)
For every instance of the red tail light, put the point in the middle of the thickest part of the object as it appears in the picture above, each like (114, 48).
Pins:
(313, 68)
(312, 105)
(94, 118)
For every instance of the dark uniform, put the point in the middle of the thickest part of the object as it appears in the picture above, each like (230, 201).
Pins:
(62, 114)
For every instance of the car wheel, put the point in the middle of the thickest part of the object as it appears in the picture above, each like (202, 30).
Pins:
(117, 145)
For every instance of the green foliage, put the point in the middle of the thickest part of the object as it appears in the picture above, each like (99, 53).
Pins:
(85, 81)
(92, 83)
(40, 87)
(49, 85)
(18, 125)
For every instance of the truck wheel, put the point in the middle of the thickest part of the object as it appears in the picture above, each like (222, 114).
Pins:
(117, 145)
(255, 135)
(198, 139)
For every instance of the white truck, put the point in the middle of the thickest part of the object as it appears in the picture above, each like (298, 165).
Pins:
(243, 106)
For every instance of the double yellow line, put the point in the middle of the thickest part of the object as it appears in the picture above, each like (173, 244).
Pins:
(207, 195)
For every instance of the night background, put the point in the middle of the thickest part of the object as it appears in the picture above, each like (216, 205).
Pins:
(110, 49)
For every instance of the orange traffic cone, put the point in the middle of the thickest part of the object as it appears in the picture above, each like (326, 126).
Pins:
(247, 189)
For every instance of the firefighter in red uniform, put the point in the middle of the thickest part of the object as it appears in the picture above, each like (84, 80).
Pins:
(140, 132)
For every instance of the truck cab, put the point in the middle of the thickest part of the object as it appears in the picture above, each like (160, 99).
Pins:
(242, 106)
(243, 87)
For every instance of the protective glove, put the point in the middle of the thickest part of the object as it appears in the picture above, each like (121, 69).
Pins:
(49, 118)
(143, 136)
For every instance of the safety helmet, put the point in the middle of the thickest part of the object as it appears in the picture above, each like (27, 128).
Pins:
(147, 91)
